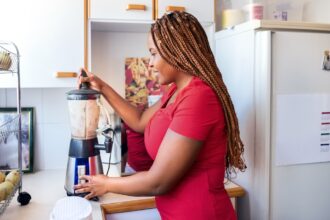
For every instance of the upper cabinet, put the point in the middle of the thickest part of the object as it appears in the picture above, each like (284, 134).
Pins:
(138, 10)
(54, 37)
(202, 10)
(50, 39)
(149, 10)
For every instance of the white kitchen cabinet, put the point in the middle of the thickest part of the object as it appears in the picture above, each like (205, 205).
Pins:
(50, 38)
(203, 10)
(138, 10)
(147, 10)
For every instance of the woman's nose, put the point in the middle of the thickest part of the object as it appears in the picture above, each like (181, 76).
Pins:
(150, 64)
(150, 68)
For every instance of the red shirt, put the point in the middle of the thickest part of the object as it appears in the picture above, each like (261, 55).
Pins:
(138, 157)
(196, 113)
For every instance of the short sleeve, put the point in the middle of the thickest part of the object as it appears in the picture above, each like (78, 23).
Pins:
(197, 111)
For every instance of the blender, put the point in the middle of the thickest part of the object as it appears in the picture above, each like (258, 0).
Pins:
(84, 151)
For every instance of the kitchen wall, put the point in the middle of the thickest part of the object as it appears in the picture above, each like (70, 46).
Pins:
(317, 11)
(305, 10)
(51, 125)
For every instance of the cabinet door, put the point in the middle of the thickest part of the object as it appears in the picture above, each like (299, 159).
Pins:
(137, 10)
(50, 38)
(202, 10)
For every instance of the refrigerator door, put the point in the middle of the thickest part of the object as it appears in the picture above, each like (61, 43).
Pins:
(300, 109)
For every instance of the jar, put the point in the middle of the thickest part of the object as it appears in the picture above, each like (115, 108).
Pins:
(230, 16)
(254, 9)
(285, 10)
(238, 11)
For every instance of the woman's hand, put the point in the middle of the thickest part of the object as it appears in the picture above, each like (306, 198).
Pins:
(95, 185)
(95, 82)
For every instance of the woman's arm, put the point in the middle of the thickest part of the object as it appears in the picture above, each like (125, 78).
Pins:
(176, 155)
(133, 117)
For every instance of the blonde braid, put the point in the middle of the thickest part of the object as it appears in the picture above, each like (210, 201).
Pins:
(182, 42)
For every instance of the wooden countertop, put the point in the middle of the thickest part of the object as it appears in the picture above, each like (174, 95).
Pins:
(46, 187)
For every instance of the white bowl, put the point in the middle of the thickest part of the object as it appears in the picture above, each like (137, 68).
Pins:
(72, 208)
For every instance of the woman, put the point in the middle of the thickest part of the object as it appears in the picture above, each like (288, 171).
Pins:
(136, 154)
(191, 134)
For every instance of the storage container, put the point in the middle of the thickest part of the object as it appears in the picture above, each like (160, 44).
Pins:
(285, 10)
(238, 11)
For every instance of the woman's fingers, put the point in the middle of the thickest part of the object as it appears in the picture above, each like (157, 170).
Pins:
(81, 190)
(89, 196)
(89, 74)
(84, 70)
(88, 78)
(94, 81)
(84, 185)
(85, 189)
(82, 79)
(86, 177)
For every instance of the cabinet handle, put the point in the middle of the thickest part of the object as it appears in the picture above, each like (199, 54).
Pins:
(175, 8)
(136, 7)
(66, 75)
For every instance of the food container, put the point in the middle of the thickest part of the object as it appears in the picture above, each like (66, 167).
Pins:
(232, 17)
(238, 11)
(285, 10)
(254, 10)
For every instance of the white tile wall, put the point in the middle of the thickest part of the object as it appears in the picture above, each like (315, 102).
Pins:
(29, 98)
(39, 158)
(56, 139)
(51, 125)
(55, 106)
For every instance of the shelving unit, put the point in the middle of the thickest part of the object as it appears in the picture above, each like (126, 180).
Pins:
(9, 64)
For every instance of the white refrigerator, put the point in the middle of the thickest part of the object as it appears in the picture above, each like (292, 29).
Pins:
(277, 75)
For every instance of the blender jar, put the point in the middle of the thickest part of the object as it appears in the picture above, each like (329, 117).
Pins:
(84, 113)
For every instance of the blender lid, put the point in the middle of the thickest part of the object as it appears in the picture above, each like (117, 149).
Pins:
(83, 94)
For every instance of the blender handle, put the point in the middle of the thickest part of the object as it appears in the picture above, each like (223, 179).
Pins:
(84, 85)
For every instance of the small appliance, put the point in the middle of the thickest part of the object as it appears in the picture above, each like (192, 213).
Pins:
(84, 151)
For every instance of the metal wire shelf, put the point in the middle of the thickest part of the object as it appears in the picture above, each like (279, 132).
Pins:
(5, 203)
(8, 128)
(9, 63)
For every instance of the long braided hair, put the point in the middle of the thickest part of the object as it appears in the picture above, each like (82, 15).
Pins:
(182, 42)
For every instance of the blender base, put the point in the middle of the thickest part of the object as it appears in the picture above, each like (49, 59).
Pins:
(83, 195)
